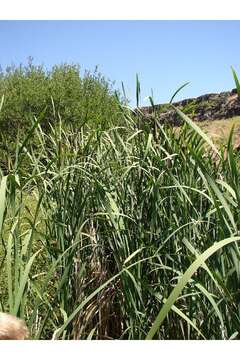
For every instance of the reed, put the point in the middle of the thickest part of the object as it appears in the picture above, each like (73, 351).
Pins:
(131, 232)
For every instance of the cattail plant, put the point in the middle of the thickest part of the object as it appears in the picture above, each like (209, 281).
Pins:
(117, 233)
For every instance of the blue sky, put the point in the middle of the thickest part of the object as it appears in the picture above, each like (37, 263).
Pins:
(165, 54)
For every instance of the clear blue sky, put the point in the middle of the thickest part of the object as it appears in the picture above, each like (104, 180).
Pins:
(165, 54)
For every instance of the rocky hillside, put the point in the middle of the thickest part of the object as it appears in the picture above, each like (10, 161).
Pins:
(206, 107)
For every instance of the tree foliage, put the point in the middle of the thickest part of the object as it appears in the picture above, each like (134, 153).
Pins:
(29, 90)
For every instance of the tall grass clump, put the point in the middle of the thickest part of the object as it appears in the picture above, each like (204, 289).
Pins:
(129, 232)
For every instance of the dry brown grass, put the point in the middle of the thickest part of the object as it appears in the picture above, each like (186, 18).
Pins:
(219, 130)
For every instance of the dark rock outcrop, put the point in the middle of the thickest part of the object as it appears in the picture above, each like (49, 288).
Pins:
(206, 107)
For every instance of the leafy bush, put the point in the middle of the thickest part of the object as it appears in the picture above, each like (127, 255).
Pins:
(28, 90)
(31, 90)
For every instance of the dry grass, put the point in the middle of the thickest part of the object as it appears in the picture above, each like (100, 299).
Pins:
(219, 130)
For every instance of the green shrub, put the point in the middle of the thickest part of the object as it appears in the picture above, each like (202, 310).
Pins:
(30, 90)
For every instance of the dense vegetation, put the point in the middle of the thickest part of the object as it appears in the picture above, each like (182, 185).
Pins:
(33, 91)
(121, 232)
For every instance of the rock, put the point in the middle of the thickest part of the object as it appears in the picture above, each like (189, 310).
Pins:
(206, 107)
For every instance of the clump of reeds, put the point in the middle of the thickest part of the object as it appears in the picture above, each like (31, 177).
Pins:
(127, 233)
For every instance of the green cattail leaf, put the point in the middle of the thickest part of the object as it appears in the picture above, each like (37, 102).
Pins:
(184, 280)
(236, 81)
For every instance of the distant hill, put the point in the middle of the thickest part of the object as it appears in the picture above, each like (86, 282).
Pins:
(214, 106)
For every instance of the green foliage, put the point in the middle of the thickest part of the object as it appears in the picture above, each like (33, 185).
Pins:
(237, 83)
(190, 108)
(122, 233)
(119, 217)
(29, 89)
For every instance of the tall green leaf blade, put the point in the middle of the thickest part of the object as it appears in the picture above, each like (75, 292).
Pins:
(184, 280)
(23, 283)
(177, 91)
(195, 127)
(236, 81)
(3, 191)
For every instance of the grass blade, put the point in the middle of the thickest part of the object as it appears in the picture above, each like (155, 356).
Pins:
(183, 281)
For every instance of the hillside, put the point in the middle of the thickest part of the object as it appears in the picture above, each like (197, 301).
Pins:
(215, 113)
(215, 106)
